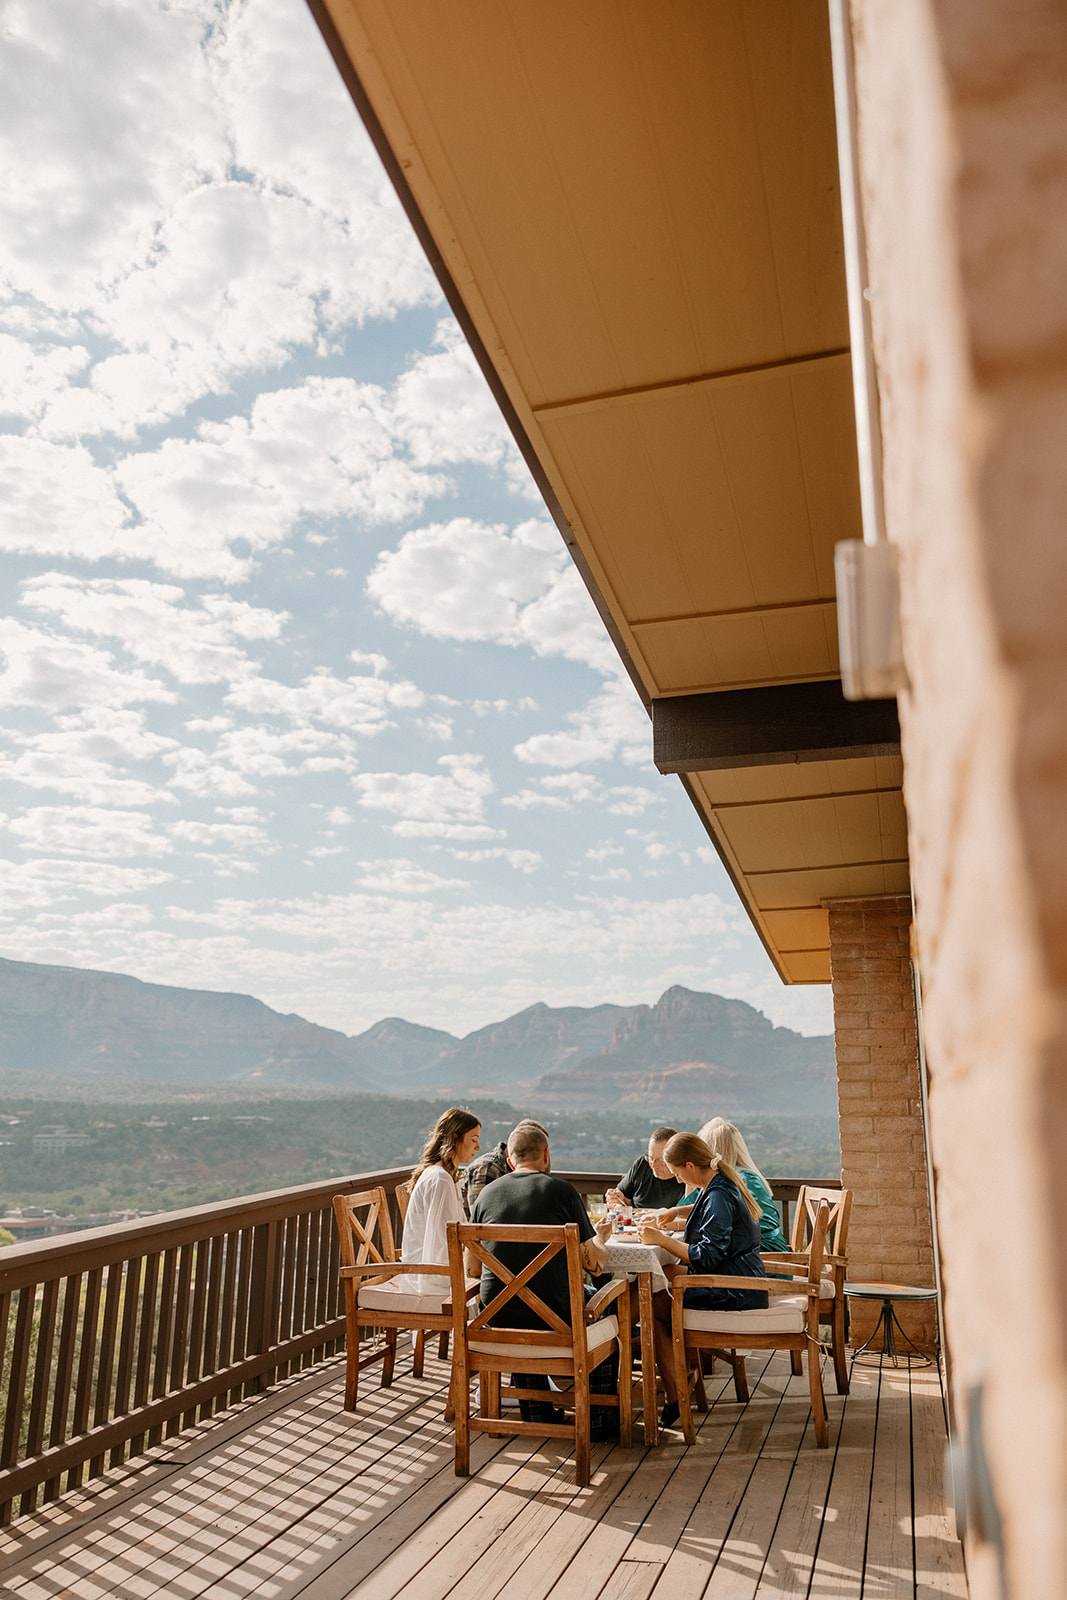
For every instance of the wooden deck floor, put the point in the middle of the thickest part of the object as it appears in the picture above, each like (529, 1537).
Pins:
(287, 1498)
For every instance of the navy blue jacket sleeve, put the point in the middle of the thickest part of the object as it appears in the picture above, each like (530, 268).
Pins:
(709, 1233)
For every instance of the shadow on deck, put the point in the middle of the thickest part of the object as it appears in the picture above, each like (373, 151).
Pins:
(285, 1496)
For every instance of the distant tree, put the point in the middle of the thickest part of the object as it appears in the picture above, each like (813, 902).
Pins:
(6, 1237)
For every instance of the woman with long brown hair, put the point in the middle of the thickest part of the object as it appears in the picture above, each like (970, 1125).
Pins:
(435, 1199)
(721, 1236)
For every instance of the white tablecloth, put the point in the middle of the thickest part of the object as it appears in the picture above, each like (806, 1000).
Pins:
(626, 1256)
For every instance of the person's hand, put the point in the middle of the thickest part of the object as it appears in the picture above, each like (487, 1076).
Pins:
(603, 1229)
(648, 1233)
(615, 1197)
(663, 1219)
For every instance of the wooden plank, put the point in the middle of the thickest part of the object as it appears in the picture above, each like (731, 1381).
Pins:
(180, 1335)
(791, 1554)
(742, 1561)
(430, 1566)
(698, 1543)
(103, 1410)
(83, 1388)
(351, 1489)
(561, 1546)
(64, 1373)
(253, 1491)
(141, 1539)
(660, 1496)
(526, 1530)
(211, 1337)
(131, 1294)
(838, 1565)
(603, 1545)
(136, 1478)
(289, 1498)
(384, 1529)
(939, 1568)
(42, 1375)
(151, 1418)
(146, 1323)
(632, 1580)
(890, 1558)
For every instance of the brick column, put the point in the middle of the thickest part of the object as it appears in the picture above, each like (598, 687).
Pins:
(883, 1157)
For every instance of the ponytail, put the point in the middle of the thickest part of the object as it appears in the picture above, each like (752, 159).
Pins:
(690, 1147)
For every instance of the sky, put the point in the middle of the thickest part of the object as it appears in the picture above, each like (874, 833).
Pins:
(300, 695)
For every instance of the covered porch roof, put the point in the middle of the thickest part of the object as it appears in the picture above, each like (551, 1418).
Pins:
(633, 211)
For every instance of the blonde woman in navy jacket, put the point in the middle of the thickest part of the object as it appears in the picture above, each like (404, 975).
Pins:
(722, 1235)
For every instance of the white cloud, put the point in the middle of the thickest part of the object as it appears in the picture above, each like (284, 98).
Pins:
(45, 882)
(358, 703)
(255, 751)
(565, 791)
(54, 673)
(89, 830)
(522, 860)
(164, 198)
(338, 817)
(401, 876)
(429, 805)
(244, 835)
(155, 623)
(55, 500)
(445, 413)
(613, 722)
(34, 375)
(198, 774)
(85, 754)
(464, 579)
(119, 135)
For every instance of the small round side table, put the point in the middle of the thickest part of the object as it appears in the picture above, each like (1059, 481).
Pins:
(888, 1325)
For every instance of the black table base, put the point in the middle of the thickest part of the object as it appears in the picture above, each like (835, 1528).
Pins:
(891, 1330)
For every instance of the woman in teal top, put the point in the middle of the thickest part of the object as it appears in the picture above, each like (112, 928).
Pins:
(724, 1140)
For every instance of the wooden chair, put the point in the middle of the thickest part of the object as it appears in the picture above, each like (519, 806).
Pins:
(488, 1347)
(374, 1298)
(402, 1193)
(835, 1262)
(791, 1322)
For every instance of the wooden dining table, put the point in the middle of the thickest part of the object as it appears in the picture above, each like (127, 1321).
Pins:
(643, 1264)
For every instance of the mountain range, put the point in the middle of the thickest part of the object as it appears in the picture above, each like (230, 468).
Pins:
(691, 1050)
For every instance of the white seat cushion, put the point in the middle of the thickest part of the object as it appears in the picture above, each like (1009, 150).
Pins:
(597, 1333)
(826, 1287)
(392, 1297)
(787, 1313)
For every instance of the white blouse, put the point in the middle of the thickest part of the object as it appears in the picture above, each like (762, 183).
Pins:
(434, 1203)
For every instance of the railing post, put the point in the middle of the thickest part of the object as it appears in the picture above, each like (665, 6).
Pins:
(263, 1300)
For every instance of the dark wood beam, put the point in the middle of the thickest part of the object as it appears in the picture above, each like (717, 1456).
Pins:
(769, 727)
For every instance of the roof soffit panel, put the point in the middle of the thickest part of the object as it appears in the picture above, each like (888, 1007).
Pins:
(809, 780)
(828, 832)
(559, 142)
(717, 496)
(741, 651)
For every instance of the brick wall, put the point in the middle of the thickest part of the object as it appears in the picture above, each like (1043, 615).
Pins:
(883, 1158)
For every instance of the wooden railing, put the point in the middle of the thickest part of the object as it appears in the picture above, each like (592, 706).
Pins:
(116, 1338)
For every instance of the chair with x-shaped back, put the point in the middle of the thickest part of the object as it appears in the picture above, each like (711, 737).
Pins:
(375, 1293)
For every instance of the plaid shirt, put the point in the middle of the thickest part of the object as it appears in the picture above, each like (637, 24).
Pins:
(482, 1170)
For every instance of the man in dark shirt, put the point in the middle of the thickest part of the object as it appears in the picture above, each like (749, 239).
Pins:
(649, 1184)
(529, 1195)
